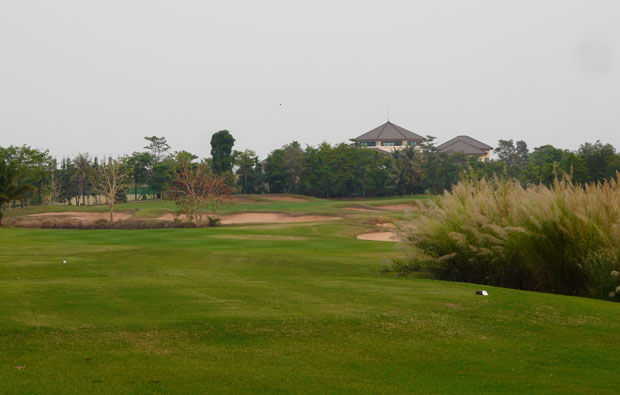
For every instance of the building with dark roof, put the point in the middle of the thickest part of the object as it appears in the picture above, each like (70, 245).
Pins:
(388, 137)
(466, 145)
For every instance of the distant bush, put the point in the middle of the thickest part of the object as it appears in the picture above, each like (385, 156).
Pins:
(562, 239)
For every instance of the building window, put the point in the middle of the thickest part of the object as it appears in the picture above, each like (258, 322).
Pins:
(367, 143)
(391, 143)
(412, 143)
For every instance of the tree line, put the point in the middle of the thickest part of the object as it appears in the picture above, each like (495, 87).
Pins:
(30, 176)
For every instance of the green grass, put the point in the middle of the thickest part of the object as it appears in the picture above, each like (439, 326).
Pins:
(158, 207)
(277, 308)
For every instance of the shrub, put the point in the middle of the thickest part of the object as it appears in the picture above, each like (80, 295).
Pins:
(213, 221)
(563, 239)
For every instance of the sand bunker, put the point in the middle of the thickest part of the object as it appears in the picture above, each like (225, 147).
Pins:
(262, 218)
(379, 236)
(281, 198)
(362, 209)
(83, 216)
(401, 206)
(271, 218)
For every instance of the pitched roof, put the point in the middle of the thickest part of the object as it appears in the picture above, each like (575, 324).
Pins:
(389, 131)
(466, 145)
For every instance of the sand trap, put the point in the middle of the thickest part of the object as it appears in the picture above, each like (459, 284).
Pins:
(262, 218)
(365, 210)
(401, 206)
(83, 216)
(281, 198)
(271, 218)
(379, 236)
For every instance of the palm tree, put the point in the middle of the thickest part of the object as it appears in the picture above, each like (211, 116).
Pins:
(407, 169)
(83, 170)
(9, 186)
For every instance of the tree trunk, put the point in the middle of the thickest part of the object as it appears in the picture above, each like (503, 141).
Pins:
(135, 190)
(111, 214)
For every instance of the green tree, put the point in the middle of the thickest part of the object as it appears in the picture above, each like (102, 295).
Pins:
(222, 143)
(600, 160)
(544, 165)
(184, 158)
(83, 170)
(140, 164)
(246, 162)
(294, 161)
(158, 147)
(276, 173)
(34, 167)
(515, 157)
(162, 174)
(407, 169)
(10, 188)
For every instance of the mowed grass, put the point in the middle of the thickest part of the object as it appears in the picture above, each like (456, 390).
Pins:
(277, 308)
(156, 207)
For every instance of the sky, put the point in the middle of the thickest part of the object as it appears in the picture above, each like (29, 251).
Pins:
(98, 76)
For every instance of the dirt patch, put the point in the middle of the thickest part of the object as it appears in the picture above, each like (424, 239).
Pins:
(83, 216)
(401, 206)
(387, 225)
(262, 218)
(283, 198)
(379, 236)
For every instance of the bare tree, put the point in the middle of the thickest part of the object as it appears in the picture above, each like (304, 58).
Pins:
(196, 189)
(109, 179)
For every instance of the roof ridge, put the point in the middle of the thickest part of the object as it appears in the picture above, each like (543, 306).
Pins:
(382, 130)
(462, 142)
(399, 132)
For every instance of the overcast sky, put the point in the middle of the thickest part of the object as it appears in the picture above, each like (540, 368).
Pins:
(98, 76)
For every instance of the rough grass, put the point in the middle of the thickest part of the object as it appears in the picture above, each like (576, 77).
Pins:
(298, 308)
(562, 239)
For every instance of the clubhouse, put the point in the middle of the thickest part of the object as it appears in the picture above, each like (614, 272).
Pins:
(390, 137)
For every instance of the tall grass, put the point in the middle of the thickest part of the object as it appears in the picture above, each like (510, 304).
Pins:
(562, 239)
